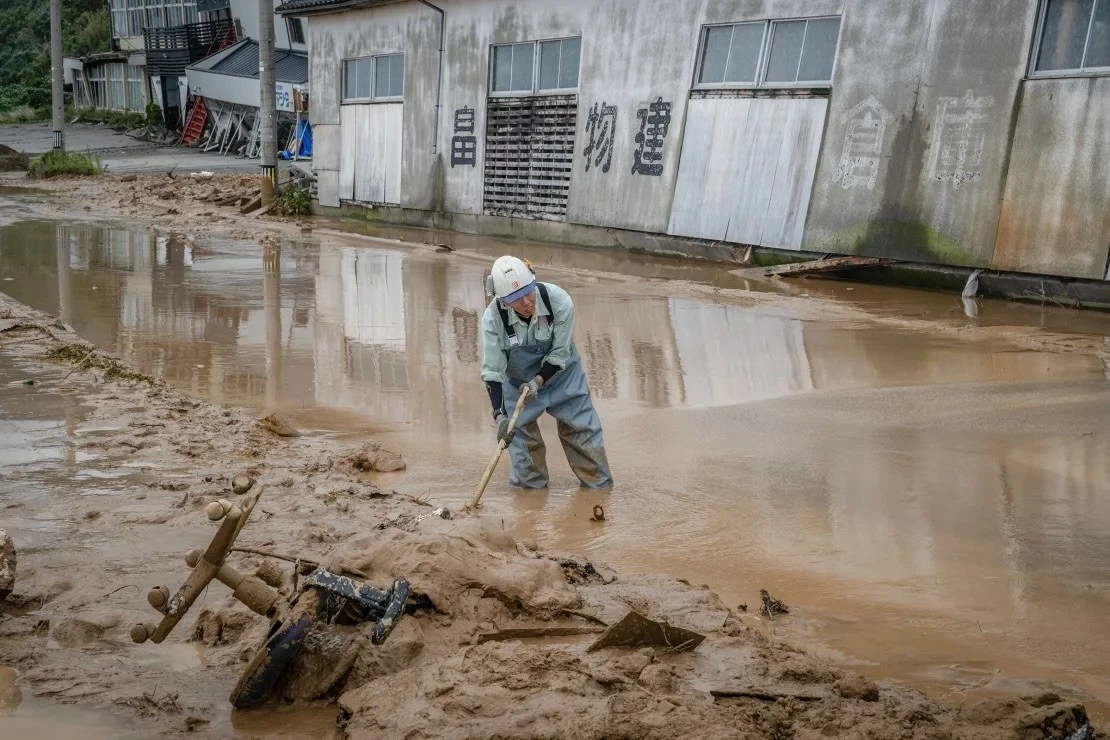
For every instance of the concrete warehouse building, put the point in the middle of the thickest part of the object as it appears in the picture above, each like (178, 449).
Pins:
(972, 133)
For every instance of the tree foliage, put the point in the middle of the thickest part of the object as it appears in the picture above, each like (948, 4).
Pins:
(25, 51)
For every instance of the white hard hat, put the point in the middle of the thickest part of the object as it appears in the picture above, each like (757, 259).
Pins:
(512, 279)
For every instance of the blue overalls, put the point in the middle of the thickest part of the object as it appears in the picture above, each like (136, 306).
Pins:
(566, 396)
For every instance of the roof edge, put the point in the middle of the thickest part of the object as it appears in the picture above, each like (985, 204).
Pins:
(321, 7)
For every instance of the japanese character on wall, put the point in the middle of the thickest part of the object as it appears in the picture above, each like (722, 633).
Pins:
(865, 128)
(601, 124)
(655, 121)
(961, 134)
(464, 144)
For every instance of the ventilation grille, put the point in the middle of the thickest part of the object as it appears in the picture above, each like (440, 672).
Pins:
(528, 155)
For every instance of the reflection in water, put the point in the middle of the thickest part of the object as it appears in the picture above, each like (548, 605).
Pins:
(856, 468)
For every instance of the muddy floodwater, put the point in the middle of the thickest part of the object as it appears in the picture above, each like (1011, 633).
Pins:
(927, 491)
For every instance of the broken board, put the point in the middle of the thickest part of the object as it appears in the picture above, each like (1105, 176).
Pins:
(636, 631)
(815, 267)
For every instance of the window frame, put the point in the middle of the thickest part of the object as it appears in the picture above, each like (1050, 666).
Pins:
(1031, 71)
(535, 90)
(374, 97)
(299, 22)
(765, 45)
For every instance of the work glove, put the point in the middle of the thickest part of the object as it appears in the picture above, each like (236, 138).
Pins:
(503, 433)
(531, 389)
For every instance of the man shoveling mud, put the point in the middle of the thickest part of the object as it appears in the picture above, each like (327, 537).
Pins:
(527, 348)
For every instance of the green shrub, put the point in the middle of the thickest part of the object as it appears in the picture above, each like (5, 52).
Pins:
(153, 114)
(20, 114)
(66, 163)
(294, 201)
(121, 120)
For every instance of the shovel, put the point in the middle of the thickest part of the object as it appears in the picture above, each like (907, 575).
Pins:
(501, 445)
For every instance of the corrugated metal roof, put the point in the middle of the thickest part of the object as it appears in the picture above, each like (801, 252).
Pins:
(307, 7)
(289, 66)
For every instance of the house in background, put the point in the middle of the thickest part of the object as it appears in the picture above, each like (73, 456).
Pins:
(155, 42)
(224, 86)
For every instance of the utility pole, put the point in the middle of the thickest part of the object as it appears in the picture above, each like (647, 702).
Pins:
(58, 102)
(267, 109)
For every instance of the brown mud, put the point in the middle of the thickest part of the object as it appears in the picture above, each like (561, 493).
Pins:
(65, 629)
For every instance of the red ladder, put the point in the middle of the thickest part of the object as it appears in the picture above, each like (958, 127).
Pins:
(194, 127)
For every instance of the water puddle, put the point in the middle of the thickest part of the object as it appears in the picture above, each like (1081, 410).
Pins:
(923, 500)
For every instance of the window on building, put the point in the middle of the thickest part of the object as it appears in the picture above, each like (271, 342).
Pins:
(136, 100)
(559, 64)
(120, 21)
(374, 78)
(190, 7)
(516, 69)
(155, 16)
(116, 93)
(175, 15)
(296, 30)
(769, 53)
(1074, 37)
(135, 18)
(97, 89)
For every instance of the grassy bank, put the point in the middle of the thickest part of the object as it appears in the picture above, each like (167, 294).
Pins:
(52, 164)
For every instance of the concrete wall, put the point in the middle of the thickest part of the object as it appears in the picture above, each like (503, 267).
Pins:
(1056, 211)
(924, 134)
(410, 28)
(934, 86)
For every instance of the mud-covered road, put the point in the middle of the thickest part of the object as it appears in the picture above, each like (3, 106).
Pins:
(923, 488)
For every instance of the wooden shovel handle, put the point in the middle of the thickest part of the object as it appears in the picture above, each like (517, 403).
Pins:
(501, 445)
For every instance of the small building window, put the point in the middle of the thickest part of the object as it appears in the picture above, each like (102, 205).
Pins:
(119, 19)
(514, 67)
(374, 78)
(135, 14)
(769, 53)
(559, 64)
(296, 30)
(1074, 37)
(136, 100)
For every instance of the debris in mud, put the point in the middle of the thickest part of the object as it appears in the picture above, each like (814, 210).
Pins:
(580, 572)
(770, 605)
(241, 483)
(279, 425)
(599, 514)
(636, 630)
(372, 457)
(409, 522)
(83, 356)
(7, 565)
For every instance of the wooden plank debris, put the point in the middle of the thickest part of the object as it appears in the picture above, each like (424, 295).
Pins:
(815, 267)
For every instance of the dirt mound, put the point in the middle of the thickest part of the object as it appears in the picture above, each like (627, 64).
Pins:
(514, 690)
(13, 161)
(469, 570)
